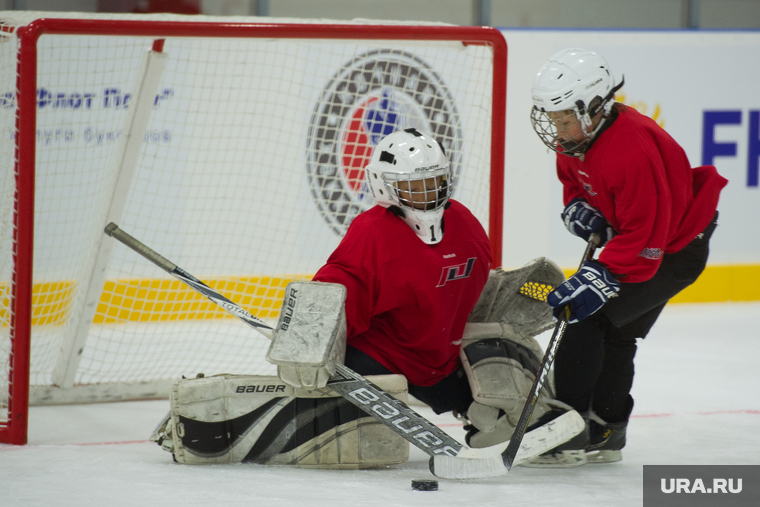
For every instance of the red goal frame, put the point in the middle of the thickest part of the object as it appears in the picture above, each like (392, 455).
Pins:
(15, 430)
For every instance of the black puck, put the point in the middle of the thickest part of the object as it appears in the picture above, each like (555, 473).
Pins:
(424, 485)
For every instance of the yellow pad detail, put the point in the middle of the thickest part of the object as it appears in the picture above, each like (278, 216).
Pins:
(536, 290)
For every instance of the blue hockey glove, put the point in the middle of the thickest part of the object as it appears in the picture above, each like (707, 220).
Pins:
(582, 220)
(585, 292)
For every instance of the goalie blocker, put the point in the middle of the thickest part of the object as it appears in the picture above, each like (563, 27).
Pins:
(260, 419)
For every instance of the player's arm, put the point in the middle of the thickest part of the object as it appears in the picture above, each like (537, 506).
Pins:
(643, 214)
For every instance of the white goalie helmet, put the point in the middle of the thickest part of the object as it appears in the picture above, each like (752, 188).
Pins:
(410, 174)
(574, 80)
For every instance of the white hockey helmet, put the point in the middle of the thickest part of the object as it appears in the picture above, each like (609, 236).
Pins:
(410, 174)
(572, 80)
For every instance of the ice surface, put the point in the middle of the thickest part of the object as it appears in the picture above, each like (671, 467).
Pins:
(697, 403)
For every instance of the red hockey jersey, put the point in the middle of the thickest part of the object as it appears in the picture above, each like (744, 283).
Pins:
(640, 179)
(407, 301)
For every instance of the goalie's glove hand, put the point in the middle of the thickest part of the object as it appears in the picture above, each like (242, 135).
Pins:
(582, 220)
(585, 292)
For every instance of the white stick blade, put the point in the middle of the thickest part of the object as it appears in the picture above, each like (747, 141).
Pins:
(488, 462)
(452, 467)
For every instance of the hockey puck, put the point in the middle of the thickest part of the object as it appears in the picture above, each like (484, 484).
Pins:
(424, 485)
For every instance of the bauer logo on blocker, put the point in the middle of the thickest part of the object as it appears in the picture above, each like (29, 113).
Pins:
(701, 485)
(373, 95)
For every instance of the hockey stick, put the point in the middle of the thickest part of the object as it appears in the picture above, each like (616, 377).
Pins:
(449, 459)
(510, 454)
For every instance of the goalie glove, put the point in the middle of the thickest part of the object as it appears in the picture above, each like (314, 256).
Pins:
(582, 220)
(310, 338)
(585, 292)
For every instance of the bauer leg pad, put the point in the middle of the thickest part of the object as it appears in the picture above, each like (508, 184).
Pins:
(260, 419)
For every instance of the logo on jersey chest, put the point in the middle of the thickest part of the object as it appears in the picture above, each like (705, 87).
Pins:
(456, 272)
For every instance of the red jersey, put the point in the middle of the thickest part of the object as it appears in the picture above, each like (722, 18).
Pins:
(640, 179)
(407, 301)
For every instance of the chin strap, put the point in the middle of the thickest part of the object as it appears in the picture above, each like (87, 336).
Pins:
(396, 211)
(606, 100)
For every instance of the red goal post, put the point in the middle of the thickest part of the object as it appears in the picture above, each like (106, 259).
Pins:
(233, 146)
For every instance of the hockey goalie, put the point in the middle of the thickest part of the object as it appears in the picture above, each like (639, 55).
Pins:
(409, 300)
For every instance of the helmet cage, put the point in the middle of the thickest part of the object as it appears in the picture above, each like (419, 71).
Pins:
(425, 191)
(410, 174)
(420, 199)
(578, 82)
(549, 133)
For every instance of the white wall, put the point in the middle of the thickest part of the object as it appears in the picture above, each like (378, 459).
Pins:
(55, 5)
(503, 13)
(683, 74)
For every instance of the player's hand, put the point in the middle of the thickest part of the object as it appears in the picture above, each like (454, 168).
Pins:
(585, 292)
(582, 220)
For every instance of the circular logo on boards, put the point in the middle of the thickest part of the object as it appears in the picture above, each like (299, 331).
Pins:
(375, 94)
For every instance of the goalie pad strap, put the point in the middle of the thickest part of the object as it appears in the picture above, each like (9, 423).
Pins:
(498, 350)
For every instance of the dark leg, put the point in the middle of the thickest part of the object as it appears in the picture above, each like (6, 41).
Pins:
(364, 364)
(451, 393)
(611, 399)
(579, 361)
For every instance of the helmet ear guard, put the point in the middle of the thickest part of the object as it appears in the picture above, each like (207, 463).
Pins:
(410, 174)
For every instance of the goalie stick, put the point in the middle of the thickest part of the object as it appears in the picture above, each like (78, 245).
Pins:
(511, 454)
(449, 459)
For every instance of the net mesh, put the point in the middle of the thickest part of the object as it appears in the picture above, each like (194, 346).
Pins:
(7, 189)
(248, 174)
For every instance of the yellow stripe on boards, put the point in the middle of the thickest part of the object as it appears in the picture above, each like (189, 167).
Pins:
(723, 283)
(719, 283)
(147, 300)
(152, 300)
(51, 303)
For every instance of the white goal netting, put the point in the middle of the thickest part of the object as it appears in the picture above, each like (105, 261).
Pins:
(237, 157)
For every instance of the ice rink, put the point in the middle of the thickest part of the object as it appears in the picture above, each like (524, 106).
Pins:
(697, 403)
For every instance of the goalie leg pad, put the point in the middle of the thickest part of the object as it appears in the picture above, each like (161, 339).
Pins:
(259, 419)
(501, 373)
(499, 353)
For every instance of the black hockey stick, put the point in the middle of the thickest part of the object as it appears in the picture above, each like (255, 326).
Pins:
(448, 458)
(543, 372)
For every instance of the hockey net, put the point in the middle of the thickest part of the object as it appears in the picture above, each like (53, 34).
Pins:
(232, 148)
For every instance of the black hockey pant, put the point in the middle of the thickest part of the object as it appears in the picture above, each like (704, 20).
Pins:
(594, 368)
(451, 393)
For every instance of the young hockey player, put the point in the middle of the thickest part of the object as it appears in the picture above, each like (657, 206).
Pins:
(625, 178)
(408, 295)
(414, 268)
